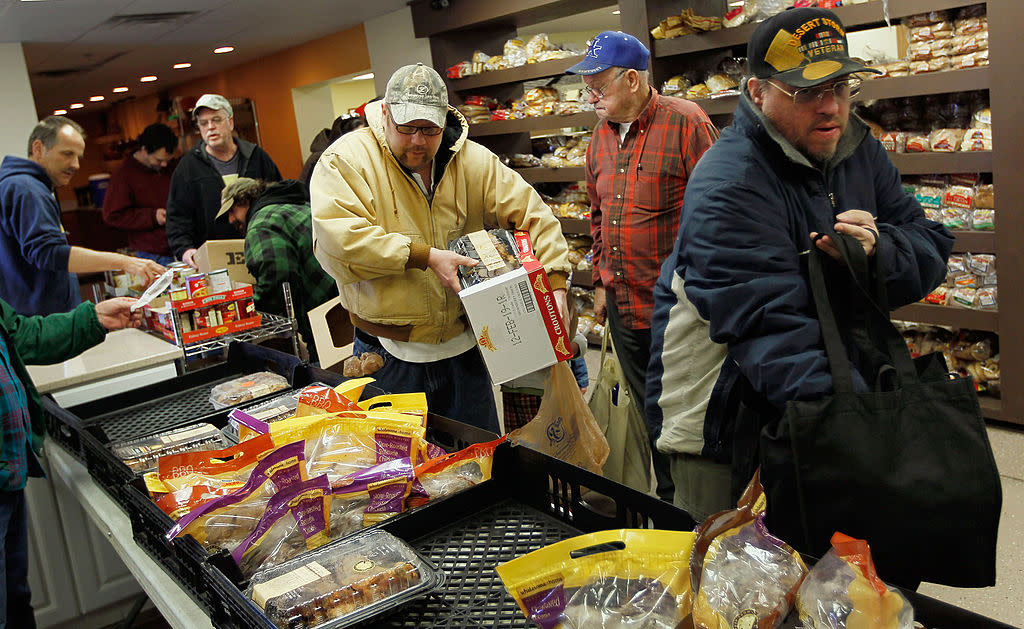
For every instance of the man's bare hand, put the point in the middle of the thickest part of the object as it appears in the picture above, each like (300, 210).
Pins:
(116, 313)
(856, 223)
(562, 302)
(161, 216)
(600, 305)
(143, 268)
(445, 264)
(188, 257)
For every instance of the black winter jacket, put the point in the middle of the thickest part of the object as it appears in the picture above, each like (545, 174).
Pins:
(194, 199)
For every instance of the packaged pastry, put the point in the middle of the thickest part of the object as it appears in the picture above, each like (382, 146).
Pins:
(985, 197)
(452, 473)
(141, 454)
(348, 580)
(970, 25)
(983, 220)
(945, 140)
(843, 591)
(720, 83)
(617, 578)
(246, 388)
(494, 248)
(742, 576)
(698, 91)
(964, 44)
(675, 85)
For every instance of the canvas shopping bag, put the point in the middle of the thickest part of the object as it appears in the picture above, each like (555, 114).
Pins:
(617, 415)
(906, 466)
(564, 426)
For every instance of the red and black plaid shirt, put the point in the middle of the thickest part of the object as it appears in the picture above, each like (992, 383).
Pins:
(636, 197)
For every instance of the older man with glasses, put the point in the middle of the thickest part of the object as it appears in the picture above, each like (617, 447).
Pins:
(386, 200)
(735, 331)
(220, 158)
(643, 151)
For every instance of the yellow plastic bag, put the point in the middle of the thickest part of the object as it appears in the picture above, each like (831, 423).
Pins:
(627, 577)
(564, 426)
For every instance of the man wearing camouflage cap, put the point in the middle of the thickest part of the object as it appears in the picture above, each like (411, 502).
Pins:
(386, 200)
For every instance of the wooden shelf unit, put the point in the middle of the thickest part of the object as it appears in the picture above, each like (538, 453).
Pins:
(545, 175)
(530, 71)
(465, 26)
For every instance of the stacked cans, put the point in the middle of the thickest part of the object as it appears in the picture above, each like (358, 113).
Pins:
(186, 283)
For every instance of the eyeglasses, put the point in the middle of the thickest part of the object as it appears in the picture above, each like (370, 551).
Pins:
(211, 121)
(411, 129)
(843, 89)
(599, 91)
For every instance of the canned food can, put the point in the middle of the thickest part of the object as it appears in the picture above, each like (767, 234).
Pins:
(179, 273)
(247, 309)
(197, 285)
(219, 281)
(229, 312)
(178, 294)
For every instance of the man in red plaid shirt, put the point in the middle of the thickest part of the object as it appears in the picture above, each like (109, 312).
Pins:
(639, 160)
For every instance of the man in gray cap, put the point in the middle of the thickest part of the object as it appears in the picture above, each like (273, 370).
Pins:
(386, 200)
(218, 159)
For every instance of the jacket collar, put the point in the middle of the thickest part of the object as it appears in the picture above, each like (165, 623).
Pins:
(244, 147)
(751, 120)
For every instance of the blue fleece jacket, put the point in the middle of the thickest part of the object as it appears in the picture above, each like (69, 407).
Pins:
(34, 249)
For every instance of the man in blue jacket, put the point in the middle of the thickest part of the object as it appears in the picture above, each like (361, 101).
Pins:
(734, 331)
(37, 264)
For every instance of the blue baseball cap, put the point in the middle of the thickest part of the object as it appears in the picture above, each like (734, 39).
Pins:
(613, 49)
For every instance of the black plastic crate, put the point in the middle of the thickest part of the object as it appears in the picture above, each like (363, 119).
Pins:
(87, 429)
(531, 501)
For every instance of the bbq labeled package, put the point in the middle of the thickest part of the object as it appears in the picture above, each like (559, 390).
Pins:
(343, 582)
(511, 308)
(142, 454)
(618, 578)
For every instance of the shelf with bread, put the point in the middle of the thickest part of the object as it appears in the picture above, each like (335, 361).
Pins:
(974, 241)
(853, 16)
(538, 123)
(966, 318)
(888, 87)
(528, 72)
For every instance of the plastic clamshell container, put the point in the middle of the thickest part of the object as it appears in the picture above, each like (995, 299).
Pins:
(141, 454)
(343, 583)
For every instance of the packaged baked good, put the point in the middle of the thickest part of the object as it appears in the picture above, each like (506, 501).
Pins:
(494, 248)
(346, 581)
(452, 473)
(981, 263)
(945, 140)
(720, 82)
(983, 220)
(616, 578)
(963, 297)
(918, 144)
(970, 25)
(698, 91)
(675, 85)
(742, 576)
(894, 141)
(843, 591)
(939, 296)
(142, 454)
(929, 196)
(976, 140)
(959, 197)
(926, 19)
(984, 197)
(931, 32)
(246, 388)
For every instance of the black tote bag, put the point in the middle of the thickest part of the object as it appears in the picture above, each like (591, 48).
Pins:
(906, 466)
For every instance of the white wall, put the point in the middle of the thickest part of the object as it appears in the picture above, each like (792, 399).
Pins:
(392, 45)
(17, 105)
(313, 112)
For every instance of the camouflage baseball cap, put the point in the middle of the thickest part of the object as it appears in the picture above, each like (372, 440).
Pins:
(416, 92)
(237, 187)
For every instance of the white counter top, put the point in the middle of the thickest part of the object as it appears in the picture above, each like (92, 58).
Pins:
(123, 351)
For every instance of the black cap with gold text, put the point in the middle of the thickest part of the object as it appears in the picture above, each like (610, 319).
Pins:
(802, 47)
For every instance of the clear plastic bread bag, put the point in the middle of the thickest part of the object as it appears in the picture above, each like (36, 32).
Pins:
(843, 591)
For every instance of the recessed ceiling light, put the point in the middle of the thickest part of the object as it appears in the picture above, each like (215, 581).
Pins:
(182, 66)
(120, 89)
(616, 12)
(147, 79)
(59, 112)
(363, 77)
(223, 49)
(77, 105)
(95, 99)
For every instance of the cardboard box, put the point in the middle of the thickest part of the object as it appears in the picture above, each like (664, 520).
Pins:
(516, 321)
(225, 254)
(332, 333)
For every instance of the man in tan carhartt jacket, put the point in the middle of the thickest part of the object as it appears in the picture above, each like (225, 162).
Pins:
(386, 201)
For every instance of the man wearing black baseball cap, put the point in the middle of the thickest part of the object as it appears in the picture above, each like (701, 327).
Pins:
(640, 157)
(734, 331)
